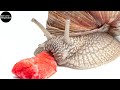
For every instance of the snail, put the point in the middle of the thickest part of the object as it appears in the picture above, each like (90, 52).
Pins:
(81, 39)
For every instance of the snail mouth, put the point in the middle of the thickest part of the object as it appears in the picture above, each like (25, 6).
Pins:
(51, 53)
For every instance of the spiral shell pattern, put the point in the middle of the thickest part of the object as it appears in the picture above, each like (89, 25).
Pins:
(83, 21)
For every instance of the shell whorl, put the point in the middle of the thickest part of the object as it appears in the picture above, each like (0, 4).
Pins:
(83, 22)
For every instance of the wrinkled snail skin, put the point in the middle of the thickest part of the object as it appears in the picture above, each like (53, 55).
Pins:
(84, 50)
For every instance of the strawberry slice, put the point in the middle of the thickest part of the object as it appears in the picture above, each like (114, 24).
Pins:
(47, 58)
(42, 66)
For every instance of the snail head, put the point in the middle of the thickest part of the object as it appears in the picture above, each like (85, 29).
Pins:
(61, 46)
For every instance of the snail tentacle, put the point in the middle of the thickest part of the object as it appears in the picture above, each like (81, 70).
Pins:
(66, 33)
(47, 34)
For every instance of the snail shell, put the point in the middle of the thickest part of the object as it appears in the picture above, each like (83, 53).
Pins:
(84, 22)
(83, 41)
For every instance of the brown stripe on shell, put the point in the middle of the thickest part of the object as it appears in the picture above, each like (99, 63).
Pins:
(82, 21)
(107, 17)
(79, 20)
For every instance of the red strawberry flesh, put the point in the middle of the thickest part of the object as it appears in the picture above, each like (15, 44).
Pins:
(42, 66)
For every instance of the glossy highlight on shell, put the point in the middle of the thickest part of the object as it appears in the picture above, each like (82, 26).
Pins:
(81, 39)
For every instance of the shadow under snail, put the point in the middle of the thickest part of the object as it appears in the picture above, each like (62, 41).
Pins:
(81, 39)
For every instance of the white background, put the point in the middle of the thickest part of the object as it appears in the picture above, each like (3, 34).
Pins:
(20, 37)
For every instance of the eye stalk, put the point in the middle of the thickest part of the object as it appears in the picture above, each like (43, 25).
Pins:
(66, 33)
(47, 34)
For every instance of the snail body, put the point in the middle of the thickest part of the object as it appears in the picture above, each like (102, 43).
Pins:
(82, 50)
